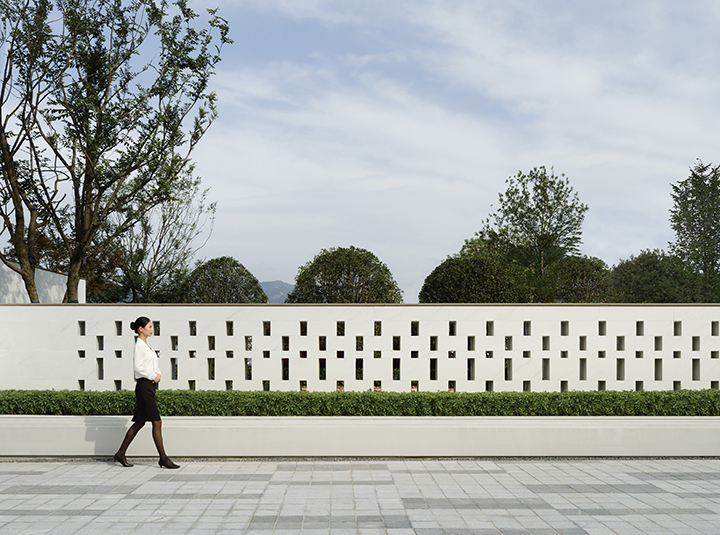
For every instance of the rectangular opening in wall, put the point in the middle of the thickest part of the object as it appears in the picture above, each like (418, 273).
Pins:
(489, 328)
(433, 369)
(266, 353)
(563, 386)
(303, 386)
(414, 354)
(229, 354)
(677, 328)
(359, 345)
(471, 343)
(118, 384)
(303, 354)
(192, 353)
(303, 328)
(527, 328)
(118, 328)
(359, 370)
(563, 354)
(396, 369)
(174, 343)
(545, 369)
(451, 354)
(658, 369)
(192, 328)
(156, 328)
(286, 343)
(602, 328)
(526, 386)
(414, 328)
(266, 328)
(695, 369)
(81, 328)
(488, 354)
(100, 343)
(620, 345)
(508, 369)
(285, 369)
(677, 385)
(340, 328)
(228, 384)
(638, 354)
(266, 386)
(526, 354)
(470, 369)
(191, 384)
(714, 385)
(433, 343)
(489, 387)
(81, 353)
(81, 384)
(583, 343)
(211, 343)
(639, 328)
(714, 354)
(396, 343)
(696, 343)
(414, 386)
(340, 354)
(583, 370)
(451, 386)
(601, 354)
(248, 343)
(100, 369)
(377, 354)
(322, 369)
(340, 386)
(715, 328)
(620, 370)
(508, 343)
(377, 386)
(658, 343)
(601, 386)
(173, 369)
(452, 328)
(248, 369)
(211, 369)
(229, 331)
(564, 328)
(118, 353)
(546, 343)
(639, 387)
(377, 328)
(322, 343)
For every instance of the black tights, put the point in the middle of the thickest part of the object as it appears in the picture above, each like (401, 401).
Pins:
(156, 434)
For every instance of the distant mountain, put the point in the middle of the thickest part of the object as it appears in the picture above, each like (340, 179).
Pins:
(277, 291)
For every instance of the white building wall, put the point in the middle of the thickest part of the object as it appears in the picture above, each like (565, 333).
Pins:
(516, 347)
(50, 286)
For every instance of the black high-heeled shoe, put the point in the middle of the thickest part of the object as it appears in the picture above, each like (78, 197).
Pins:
(122, 461)
(168, 464)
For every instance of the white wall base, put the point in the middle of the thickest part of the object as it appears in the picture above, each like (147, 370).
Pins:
(367, 436)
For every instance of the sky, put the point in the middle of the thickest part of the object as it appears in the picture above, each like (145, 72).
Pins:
(393, 126)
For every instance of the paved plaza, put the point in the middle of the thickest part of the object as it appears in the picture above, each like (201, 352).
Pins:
(404, 496)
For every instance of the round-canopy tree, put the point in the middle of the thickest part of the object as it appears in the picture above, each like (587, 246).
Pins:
(472, 279)
(224, 280)
(345, 275)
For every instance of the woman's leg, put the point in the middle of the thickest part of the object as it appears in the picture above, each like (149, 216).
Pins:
(129, 436)
(157, 437)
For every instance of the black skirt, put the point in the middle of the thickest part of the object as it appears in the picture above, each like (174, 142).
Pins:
(145, 405)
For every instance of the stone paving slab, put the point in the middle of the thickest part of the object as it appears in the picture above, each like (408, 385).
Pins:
(394, 497)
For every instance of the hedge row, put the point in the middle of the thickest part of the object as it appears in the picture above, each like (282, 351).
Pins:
(238, 403)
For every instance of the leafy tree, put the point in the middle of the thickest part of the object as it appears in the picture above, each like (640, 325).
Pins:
(345, 275)
(472, 279)
(695, 218)
(579, 279)
(223, 280)
(653, 277)
(106, 133)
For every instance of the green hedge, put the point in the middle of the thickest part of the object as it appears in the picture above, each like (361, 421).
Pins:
(238, 403)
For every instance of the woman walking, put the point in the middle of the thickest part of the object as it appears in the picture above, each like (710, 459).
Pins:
(147, 377)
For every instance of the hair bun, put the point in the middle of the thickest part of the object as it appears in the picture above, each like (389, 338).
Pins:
(132, 325)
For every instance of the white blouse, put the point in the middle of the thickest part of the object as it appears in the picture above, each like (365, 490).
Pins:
(145, 361)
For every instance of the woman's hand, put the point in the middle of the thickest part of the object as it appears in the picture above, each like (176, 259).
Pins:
(157, 378)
